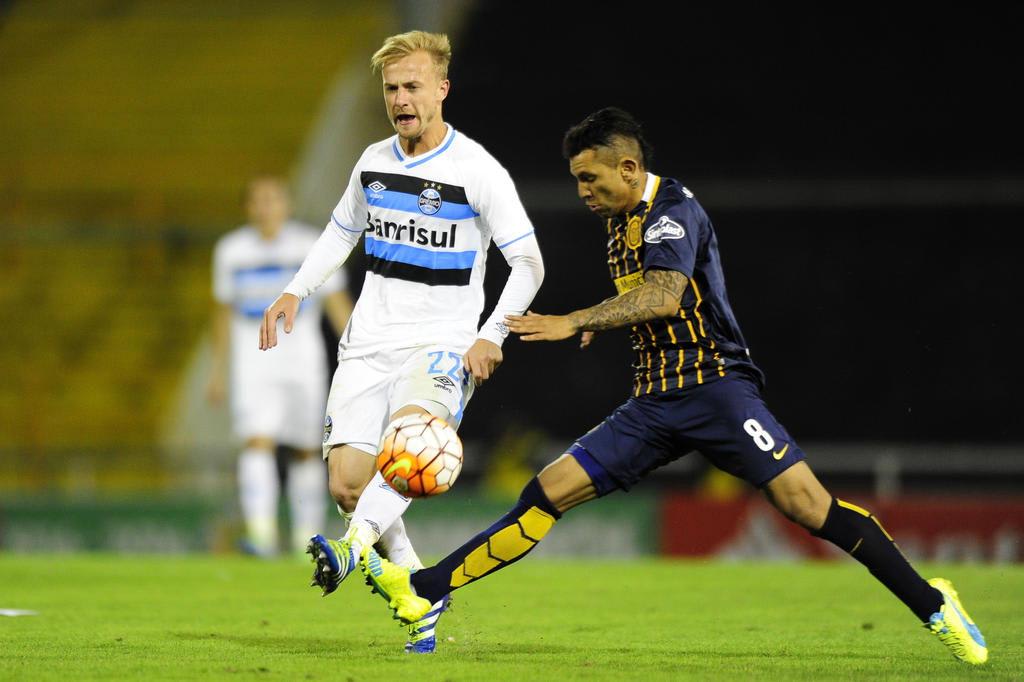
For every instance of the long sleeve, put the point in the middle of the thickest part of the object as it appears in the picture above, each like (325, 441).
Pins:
(523, 255)
(323, 260)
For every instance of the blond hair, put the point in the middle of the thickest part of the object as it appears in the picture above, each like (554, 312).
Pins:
(402, 45)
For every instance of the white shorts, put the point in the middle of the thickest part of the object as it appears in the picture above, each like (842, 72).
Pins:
(288, 411)
(368, 389)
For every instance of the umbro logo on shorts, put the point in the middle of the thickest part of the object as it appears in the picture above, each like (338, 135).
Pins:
(444, 383)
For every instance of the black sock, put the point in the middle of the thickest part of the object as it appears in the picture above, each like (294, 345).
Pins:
(504, 543)
(857, 532)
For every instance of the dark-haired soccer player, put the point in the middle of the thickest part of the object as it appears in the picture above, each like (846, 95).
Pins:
(695, 388)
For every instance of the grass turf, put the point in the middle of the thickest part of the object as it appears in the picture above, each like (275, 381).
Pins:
(103, 616)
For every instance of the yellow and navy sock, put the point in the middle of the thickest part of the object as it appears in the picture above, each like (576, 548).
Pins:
(504, 543)
(858, 533)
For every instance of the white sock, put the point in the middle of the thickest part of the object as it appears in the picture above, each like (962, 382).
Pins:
(307, 498)
(379, 506)
(395, 546)
(258, 491)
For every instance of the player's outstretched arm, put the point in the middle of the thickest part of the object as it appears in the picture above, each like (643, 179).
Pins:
(658, 297)
(286, 306)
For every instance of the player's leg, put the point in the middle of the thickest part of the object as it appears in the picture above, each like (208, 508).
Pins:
(306, 480)
(258, 492)
(429, 381)
(307, 496)
(506, 541)
(258, 413)
(350, 468)
(611, 456)
(740, 435)
(378, 506)
(560, 486)
(797, 493)
(356, 412)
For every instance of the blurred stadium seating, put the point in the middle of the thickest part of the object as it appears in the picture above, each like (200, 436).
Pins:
(129, 130)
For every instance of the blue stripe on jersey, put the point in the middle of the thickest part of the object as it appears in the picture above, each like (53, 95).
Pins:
(410, 255)
(263, 275)
(409, 203)
(513, 241)
(252, 308)
(263, 271)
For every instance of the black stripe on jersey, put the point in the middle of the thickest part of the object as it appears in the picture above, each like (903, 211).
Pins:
(410, 184)
(415, 273)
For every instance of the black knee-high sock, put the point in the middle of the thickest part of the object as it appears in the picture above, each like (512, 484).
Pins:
(505, 542)
(857, 532)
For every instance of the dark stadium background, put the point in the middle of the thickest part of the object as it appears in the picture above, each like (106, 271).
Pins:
(863, 167)
(891, 315)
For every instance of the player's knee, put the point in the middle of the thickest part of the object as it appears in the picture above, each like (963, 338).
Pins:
(803, 506)
(346, 492)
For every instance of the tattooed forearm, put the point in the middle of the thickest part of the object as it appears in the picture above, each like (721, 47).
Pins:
(658, 297)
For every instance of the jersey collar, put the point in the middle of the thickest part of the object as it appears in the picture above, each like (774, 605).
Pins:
(650, 189)
(413, 161)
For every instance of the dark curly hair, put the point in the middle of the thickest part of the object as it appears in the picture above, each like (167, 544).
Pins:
(600, 129)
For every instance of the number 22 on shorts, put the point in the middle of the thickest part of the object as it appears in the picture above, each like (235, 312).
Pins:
(439, 356)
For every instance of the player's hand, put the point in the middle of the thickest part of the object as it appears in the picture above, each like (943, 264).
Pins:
(482, 358)
(534, 327)
(216, 389)
(585, 339)
(286, 306)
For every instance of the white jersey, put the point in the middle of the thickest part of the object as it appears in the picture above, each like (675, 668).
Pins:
(428, 221)
(248, 274)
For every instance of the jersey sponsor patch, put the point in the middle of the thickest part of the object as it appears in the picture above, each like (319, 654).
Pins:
(665, 228)
(628, 282)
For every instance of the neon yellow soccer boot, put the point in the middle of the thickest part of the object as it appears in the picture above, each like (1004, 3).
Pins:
(392, 583)
(954, 627)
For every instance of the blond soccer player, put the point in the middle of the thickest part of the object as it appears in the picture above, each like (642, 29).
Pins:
(428, 201)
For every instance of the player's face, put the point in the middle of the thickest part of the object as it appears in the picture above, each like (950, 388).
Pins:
(413, 92)
(267, 203)
(604, 188)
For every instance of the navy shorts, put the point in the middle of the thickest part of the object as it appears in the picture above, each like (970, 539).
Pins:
(725, 420)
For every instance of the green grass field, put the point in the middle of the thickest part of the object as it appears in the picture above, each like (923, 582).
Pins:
(103, 616)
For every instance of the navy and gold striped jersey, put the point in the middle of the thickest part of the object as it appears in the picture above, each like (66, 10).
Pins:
(669, 230)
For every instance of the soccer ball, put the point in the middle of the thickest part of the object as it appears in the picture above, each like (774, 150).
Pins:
(420, 455)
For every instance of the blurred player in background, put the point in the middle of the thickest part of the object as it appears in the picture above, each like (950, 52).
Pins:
(429, 201)
(695, 388)
(275, 400)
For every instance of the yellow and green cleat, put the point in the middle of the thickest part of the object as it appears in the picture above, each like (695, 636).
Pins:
(392, 583)
(954, 627)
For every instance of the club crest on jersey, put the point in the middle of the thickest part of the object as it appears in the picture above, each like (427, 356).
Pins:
(430, 201)
(665, 228)
(633, 232)
(328, 427)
